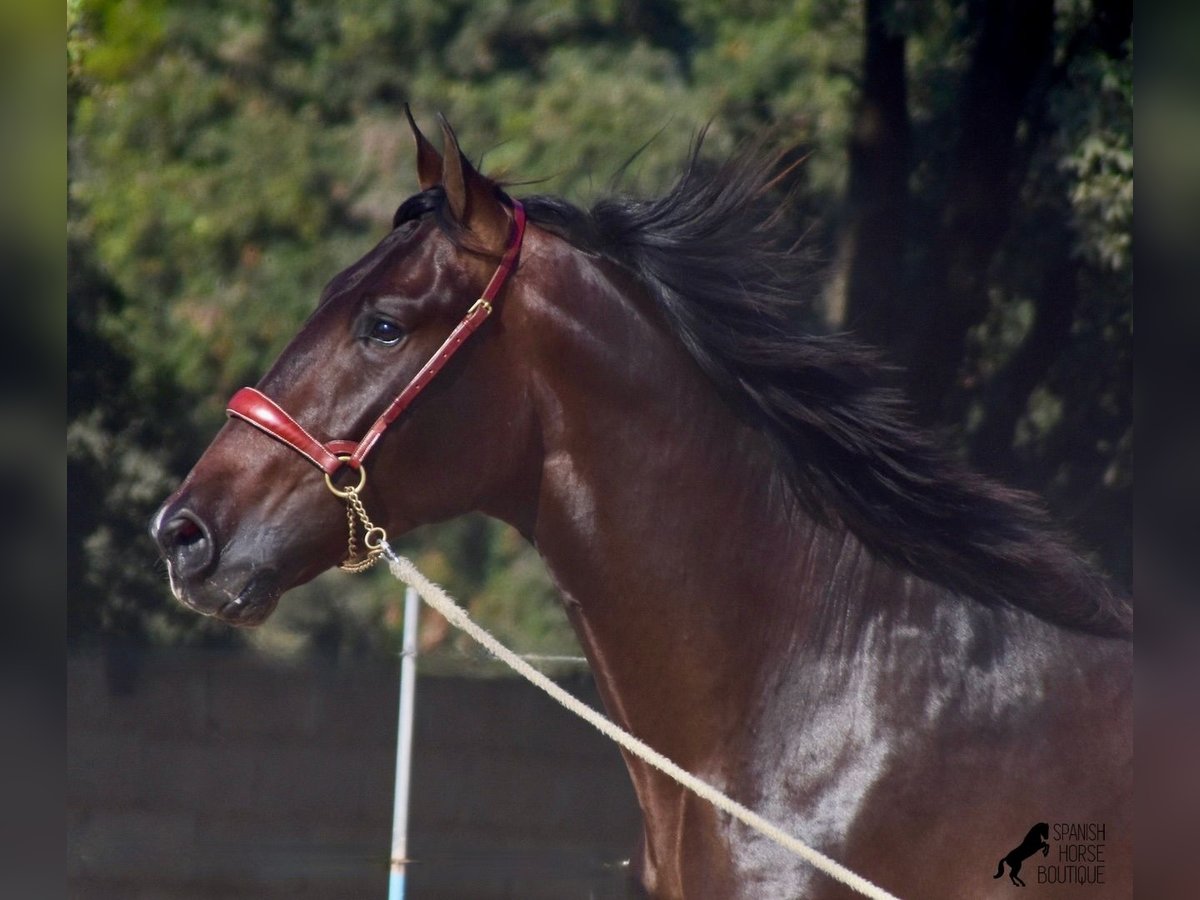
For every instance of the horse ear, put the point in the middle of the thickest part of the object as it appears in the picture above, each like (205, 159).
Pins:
(454, 176)
(474, 199)
(429, 161)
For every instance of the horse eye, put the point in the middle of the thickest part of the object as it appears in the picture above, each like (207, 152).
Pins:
(383, 331)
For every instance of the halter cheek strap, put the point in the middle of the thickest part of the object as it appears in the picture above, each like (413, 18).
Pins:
(253, 406)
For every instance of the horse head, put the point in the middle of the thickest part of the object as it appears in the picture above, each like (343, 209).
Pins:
(254, 517)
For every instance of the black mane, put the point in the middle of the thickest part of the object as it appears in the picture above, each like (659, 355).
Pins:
(707, 251)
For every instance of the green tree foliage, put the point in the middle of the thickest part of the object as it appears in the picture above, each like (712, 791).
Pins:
(226, 159)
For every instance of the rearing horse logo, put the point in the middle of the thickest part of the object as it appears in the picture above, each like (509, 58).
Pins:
(1034, 841)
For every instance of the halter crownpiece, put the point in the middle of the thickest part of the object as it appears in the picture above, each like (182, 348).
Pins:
(256, 408)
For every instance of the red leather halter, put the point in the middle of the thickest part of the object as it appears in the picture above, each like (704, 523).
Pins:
(255, 407)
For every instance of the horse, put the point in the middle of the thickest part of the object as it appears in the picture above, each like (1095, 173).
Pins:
(1036, 840)
(780, 581)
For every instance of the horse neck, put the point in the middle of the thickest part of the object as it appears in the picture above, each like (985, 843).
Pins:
(689, 570)
(769, 654)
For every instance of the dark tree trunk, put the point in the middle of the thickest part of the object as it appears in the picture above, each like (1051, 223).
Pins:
(879, 154)
(1013, 54)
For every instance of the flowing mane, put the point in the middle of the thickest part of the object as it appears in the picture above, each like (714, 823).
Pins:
(711, 252)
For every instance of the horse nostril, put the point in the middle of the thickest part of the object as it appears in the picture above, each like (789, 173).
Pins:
(186, 541)
(184, 530)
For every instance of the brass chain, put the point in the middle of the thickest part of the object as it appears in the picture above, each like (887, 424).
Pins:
(374, 537)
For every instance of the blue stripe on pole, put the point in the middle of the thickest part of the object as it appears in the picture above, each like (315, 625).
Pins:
(396, 885)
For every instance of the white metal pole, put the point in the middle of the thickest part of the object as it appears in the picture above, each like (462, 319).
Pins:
(404, 732)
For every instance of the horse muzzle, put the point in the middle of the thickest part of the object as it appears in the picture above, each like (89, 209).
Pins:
(237, 595)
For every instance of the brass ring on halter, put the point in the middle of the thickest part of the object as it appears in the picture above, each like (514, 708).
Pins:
(337, 491)
(374, 538)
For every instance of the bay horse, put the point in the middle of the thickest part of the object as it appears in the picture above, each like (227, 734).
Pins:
(779, 581)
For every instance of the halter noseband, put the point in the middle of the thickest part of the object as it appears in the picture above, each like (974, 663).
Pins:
(253, 406)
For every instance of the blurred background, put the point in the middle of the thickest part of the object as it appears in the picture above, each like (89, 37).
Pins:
(966, 200)
(967, 193)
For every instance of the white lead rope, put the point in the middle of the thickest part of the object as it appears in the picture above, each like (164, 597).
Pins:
(404, 570)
